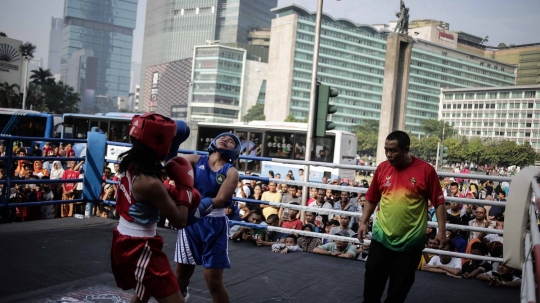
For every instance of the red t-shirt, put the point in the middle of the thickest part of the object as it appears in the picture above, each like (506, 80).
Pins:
(70, 174)
(296, 224)
(70, 152)
(48, 151)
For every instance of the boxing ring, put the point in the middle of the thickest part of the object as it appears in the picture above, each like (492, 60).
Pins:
(67, 260)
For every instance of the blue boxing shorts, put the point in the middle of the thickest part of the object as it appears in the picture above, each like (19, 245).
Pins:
(206, 242)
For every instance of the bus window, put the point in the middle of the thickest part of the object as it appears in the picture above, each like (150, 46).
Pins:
(324, 148)
(279, 145)
(119, 131)
(206, 135)
(251, 146)
(300, 147)
(80, 128)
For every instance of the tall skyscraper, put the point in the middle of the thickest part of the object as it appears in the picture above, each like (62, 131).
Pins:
(55, 45)
(106, 28)
(174, 27)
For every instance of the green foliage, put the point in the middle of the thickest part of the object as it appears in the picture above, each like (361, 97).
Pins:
(425, 148)
(2, 34)
(255, 113)
(290, 118)
(27, 50)
(475, 150)
(367, 135)
(437, 128)
(501, 45)
(9, 95)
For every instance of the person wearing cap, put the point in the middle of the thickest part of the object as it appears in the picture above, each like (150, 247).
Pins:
(400, 190)
(340, 249)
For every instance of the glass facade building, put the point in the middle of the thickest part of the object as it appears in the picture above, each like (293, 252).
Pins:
(106, 28)
(501, 113)
(174, 27)
(352, 59)
(218, 73)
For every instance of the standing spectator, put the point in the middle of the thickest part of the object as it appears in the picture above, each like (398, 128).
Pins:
(56, 173)
(309, 218)
(39, 171)
(271, 195)
(345, 203)
(70, 152)
(46, 194)
(290, 198)
(401, 185)
(68, 189)
(37, 152)
(48, 151)
(480, 221)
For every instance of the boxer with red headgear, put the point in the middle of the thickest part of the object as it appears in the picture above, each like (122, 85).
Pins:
(136, 257)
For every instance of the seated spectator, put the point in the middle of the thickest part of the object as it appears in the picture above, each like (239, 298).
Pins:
(308, 243)
(503, 277)
(499, 224)
(344, 223)
(340, 249)
(39, 171)
(292, 222)
(272, 237)
(328, 227)
(231, 214)
(473, 268)
(250, 234)
(445, 264)
(460, 243)
(309, 218)
(290, 245)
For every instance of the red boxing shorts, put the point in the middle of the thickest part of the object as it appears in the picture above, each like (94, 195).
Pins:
(139, 263)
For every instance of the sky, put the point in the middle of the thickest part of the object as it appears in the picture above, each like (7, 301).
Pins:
(511, 22)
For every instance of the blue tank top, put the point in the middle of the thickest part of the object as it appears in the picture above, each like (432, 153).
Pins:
(207, 181)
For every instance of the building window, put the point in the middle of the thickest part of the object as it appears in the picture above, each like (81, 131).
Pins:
(480, 96)
(458, 97)
(518, 94)
(530, 94)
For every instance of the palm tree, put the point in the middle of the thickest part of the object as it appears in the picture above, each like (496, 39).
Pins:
(8, 96)
(42, 77)
(27, 50)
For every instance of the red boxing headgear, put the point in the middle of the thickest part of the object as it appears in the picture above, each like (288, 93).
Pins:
(155, 131)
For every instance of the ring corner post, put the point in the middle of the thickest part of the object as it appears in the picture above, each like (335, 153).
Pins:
(93, 170)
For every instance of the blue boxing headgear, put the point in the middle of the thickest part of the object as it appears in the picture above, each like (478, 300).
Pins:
(231, 154)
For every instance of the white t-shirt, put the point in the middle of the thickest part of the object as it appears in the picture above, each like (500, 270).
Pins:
(494, 238)
(239, 195)
(454, 263)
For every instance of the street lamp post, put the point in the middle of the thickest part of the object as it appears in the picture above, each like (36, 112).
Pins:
(313, 98)
(25, 81)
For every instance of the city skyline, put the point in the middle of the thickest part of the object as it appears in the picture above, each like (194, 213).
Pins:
(508, 22)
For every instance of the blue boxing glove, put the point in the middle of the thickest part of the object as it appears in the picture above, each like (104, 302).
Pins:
(202, 210)
(182, 133)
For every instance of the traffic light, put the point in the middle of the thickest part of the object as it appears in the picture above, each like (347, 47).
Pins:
(323, 109)
(444, 155)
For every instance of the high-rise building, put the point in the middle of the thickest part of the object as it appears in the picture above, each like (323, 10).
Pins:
(55, 45)
(500, 113)
(106, 28)
(174, 27)
(352, 58)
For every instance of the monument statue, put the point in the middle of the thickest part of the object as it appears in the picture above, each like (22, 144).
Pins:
(402, 25)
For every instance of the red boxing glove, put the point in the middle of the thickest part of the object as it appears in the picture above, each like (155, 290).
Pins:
(181, 172)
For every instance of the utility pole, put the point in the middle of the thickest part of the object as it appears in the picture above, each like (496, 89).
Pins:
(25, 78)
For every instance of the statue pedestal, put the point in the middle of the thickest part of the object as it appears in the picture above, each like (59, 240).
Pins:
(395, 88)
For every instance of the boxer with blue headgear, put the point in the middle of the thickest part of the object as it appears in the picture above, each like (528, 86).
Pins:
(231, 154)
(216, 179)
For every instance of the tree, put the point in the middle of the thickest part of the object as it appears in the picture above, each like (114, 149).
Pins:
(290, 118)
(27, 50)
(367, 135)
(42, 77)
(434, 127)
(485, 40)
(502, 45)
(255, 113)
(2, 34)
(60, 98)
(475, 150)
(9, 95)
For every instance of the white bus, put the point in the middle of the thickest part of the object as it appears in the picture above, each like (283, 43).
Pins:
(281, 140)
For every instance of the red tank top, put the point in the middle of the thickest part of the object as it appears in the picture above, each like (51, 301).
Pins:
(127, 205)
